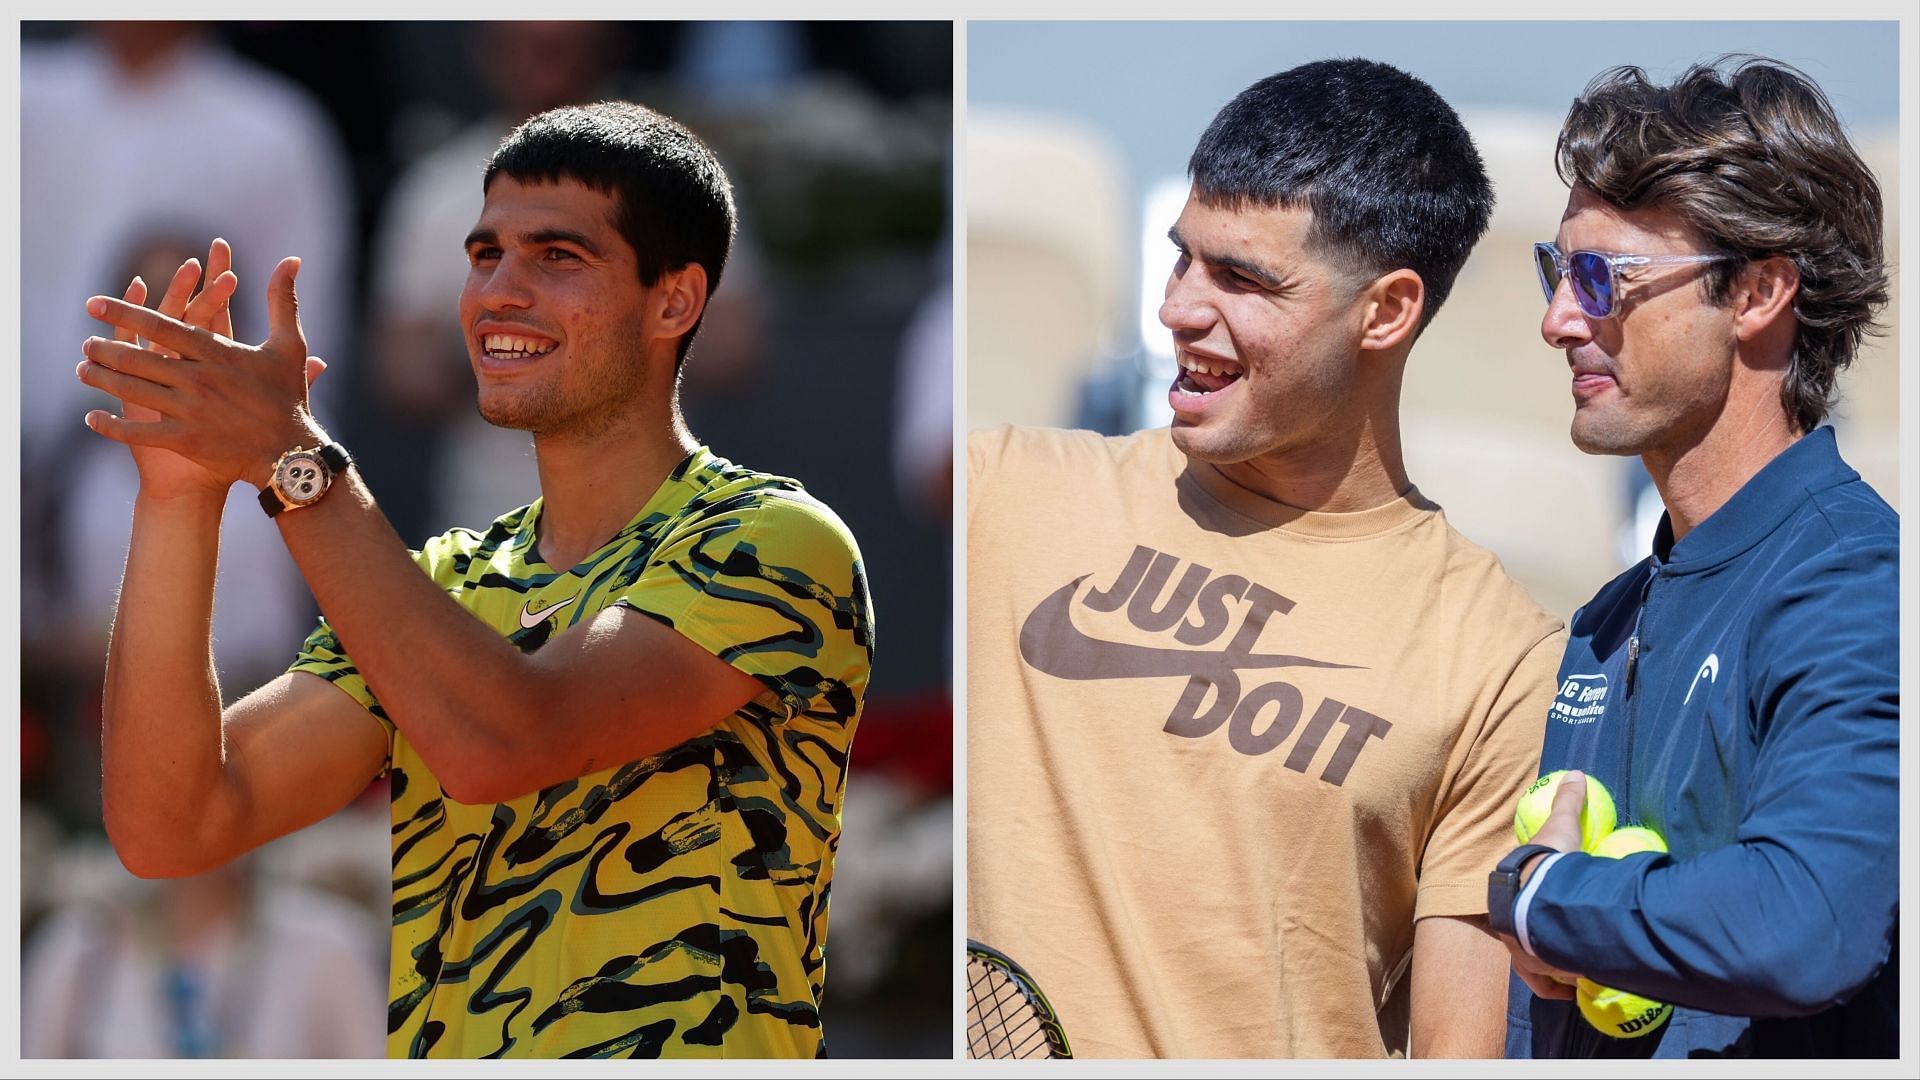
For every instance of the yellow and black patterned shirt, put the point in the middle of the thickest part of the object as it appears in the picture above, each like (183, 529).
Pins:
(675, 906)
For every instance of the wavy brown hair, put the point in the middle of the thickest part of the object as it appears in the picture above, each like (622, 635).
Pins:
(1755, 161)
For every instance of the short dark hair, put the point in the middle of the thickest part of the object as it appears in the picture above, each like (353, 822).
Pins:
(675, 205)
(1390, 174)
(1757, 163)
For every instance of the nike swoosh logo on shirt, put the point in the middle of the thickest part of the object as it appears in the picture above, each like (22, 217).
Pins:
(530, 619)
(1050, 643)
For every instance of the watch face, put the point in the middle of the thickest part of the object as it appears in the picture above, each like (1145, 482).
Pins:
(302, 478)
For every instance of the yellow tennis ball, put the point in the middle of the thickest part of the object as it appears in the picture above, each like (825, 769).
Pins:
(1596, 819)
(1627, 840)
(1618, 1013)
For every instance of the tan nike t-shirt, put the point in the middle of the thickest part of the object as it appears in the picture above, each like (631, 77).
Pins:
(1222, 753)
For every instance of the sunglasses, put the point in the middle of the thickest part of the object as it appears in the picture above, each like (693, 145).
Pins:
(1596, 274)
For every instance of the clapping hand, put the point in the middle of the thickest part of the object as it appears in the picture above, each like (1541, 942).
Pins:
(201, 411)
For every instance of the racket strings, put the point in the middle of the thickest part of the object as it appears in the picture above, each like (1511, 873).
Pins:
(1002, 1022)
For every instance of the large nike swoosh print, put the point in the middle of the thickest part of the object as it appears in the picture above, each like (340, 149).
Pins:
(1050, 643)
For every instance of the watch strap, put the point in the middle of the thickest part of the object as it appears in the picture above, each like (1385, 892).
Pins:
(335, 457)
(1503, 885)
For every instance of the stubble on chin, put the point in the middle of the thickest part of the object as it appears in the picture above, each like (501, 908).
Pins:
(1213, 448)
(1605, 436)
(545, 410)
(502, 411)
(1188, 440)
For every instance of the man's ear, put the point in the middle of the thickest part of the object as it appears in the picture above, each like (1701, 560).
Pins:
(681, 297)
(1390, 310)
(1763, 294)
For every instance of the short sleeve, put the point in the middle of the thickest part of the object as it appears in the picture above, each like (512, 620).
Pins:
(985, 449)
(323, 655)
(776, 589)
(1473, 825)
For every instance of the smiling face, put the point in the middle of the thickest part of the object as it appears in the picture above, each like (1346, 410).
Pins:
(555, 317)
(1265, 332)
(1654, 377)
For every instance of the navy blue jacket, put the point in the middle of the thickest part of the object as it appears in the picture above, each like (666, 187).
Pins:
(1739, 693)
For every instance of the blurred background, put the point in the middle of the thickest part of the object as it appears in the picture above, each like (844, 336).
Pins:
(360, 147)
(1077, 141)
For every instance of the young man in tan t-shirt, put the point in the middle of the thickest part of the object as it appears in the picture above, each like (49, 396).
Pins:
(1246, 715)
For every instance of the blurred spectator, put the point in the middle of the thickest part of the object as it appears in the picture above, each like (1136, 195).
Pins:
(217, 965)
(134, 135)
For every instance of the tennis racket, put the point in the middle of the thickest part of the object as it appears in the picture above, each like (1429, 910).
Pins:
(1007, 1015)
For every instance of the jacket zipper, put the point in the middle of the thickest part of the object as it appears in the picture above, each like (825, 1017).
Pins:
(1579, 1039)
(1625, 798)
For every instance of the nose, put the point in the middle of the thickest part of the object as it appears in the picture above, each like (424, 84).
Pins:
(1565, 326)
(1188, 305)
(500, 285)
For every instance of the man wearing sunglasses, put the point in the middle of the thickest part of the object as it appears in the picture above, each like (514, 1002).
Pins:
(1737, 691)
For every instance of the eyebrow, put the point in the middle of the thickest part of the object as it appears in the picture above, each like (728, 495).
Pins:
(489, 237)
(1233, 262)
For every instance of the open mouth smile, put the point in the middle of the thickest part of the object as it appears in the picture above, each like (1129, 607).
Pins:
(1201, 379)
(516, 346)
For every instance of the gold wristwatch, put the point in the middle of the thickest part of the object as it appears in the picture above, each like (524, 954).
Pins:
(300, 477)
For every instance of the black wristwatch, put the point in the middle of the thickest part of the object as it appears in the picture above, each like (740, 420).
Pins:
(1503, 886)
(300, 477)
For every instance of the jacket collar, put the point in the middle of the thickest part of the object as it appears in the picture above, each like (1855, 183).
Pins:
(1810, 465)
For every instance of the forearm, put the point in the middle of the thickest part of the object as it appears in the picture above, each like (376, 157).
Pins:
(161, 750)
(453, 685)
(1459, 1004)
(1750, 929)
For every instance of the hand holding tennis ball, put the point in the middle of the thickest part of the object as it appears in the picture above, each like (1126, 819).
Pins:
(1597, 816)
(1616, 1012)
